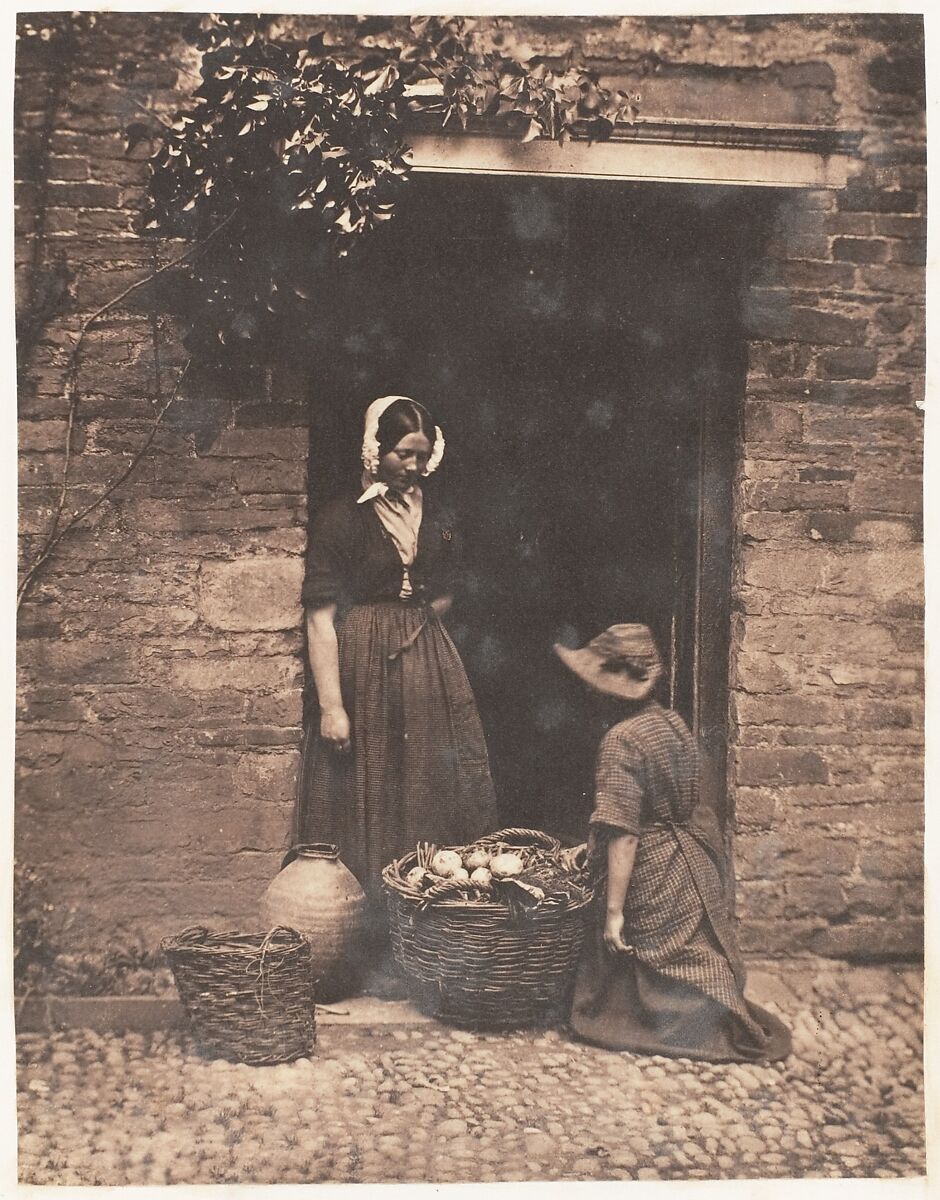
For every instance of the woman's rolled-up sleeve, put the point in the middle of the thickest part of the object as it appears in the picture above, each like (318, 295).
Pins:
(618, 786)
(326, 570)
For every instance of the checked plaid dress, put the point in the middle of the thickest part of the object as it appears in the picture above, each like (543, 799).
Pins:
(676, 914)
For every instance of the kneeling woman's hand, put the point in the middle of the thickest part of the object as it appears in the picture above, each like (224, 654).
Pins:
(621, 852)
(613, 934)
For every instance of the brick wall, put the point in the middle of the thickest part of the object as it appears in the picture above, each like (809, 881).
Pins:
(160, 656)
(828, 634)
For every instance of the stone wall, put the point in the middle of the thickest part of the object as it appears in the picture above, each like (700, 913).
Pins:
(160, 654)
(827, 655)
(828, 634)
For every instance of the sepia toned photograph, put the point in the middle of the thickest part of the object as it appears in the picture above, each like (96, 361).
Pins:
(470, 605)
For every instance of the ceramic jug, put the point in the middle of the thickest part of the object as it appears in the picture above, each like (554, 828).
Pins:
(321, 898)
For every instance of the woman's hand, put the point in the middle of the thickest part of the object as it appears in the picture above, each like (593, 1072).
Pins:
(621, 851)
(324, 663)
(441, 605)
(613, 934)
(335, 729)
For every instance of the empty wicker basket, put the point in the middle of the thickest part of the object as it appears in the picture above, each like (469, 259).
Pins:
(250, 996)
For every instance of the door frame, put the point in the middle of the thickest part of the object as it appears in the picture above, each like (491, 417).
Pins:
(665, 150)
(694, 153)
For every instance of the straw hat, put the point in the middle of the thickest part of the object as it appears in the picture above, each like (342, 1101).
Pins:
(622, 661)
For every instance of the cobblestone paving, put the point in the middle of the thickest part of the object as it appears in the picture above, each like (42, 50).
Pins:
(427, 1103)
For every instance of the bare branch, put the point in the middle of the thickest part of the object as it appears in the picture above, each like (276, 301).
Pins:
(71, 389)
(109, 491)
(151, 112)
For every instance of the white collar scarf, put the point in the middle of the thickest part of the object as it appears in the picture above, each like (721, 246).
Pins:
(400, 515)
(373, 490)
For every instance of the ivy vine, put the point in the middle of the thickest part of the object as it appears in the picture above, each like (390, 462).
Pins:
(304, 153)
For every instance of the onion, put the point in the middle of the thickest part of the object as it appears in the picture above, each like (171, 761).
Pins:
(445, 863)
(505, 865)
(478, 857)
(416, 878)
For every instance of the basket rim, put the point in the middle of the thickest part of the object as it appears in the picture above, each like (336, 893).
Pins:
(281, 939)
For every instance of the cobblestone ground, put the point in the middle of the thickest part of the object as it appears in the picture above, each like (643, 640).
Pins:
(428, 1103)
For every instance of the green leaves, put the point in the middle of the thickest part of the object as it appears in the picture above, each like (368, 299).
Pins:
(534, 131)
(382, 80)
(299, 147)
(298, 152)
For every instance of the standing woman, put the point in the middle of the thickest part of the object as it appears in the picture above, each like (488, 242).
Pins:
(661, 972)
(396, 754)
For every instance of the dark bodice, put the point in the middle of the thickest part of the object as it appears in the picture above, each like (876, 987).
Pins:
(351, 559)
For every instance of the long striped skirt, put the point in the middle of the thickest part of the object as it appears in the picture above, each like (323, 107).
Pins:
(418, 770)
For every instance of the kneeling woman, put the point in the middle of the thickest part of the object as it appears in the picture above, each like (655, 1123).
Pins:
(661, 972)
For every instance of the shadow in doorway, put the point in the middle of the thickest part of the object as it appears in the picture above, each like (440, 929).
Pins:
(571, 338)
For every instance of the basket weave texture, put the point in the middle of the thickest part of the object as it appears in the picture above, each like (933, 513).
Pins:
(250, 996)
(477, 964)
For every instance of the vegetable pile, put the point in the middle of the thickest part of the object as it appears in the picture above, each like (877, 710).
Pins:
(518, 876)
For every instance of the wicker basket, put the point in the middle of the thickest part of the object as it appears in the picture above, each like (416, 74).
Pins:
(475, 964)
(250, 996)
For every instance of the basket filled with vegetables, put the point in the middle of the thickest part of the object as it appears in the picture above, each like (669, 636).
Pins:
(488, 935)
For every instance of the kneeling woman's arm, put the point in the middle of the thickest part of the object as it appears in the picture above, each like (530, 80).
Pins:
(621, 852)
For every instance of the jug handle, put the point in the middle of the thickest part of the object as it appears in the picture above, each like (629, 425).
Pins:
(310, 850)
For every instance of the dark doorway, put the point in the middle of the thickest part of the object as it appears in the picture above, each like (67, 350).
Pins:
(579, 344)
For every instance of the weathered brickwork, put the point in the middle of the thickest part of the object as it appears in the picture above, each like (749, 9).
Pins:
(828, 636)
(160, 660)
(160, 655)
